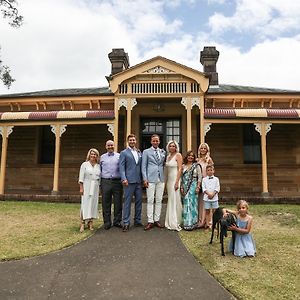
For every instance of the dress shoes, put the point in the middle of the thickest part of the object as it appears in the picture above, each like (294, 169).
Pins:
(107, 226)
(138, 225)
(125, 228)
(149, 226)
(119, 225)
(157, 224)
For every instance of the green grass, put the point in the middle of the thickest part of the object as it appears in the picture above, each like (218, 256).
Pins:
(34, 228)
(274, 273)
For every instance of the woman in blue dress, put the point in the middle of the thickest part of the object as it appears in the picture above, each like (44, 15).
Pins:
(244, 243)
(190, 187)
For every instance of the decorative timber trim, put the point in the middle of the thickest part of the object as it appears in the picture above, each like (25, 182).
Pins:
(258, 127)
(62, 129)
(57, 115)
(269, 113)
(111, 128)
(9, 130)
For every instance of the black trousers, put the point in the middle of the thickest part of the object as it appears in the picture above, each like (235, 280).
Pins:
(112, 192)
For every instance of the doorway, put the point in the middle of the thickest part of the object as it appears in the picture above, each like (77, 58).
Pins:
(167, 128)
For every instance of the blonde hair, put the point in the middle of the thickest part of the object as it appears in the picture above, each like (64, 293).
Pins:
(242, 202)
(207, 157)
(89, 154)
(176, 145)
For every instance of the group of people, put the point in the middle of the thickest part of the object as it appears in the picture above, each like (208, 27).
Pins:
(190, 184)
(157, 170)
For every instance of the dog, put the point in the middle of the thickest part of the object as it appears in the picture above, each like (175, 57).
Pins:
(223, 223)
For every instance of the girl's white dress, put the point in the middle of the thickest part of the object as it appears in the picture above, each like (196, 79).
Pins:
(174, 206)
(89, 175)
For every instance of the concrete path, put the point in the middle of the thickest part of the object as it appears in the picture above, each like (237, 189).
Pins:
(113, 265)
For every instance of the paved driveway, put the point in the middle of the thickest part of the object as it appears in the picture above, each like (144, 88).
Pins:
(113, 265)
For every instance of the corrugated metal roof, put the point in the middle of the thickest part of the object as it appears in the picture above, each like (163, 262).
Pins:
(220, 89)
(238, 89)
(62, 92)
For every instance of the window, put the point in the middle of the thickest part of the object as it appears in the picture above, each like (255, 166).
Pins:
(46, 145)
(173, 130)
(251, 142)
(167, 129)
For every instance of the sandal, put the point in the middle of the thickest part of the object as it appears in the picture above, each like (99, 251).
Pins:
(90, 225)
(201, 226)
(81, 227)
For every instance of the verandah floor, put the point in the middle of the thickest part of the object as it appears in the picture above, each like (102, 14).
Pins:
(228, 198)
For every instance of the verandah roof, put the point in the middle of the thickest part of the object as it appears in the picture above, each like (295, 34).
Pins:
(269, 113)
(57, 115)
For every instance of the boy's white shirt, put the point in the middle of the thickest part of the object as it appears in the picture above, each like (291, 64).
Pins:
(211, 185)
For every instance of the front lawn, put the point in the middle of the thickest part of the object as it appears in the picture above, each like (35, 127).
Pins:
(34, 228)
(274, 272)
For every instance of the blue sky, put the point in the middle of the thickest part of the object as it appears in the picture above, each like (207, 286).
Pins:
(65, 43)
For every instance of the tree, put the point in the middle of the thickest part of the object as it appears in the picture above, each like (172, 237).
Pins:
(9, 10)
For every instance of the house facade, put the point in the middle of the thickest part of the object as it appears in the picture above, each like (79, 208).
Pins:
(252, 132)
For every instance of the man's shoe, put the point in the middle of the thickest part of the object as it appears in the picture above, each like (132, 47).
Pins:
(157, 224)
(119, 225)
(138, 225)
(107, 226)
(125, 228)
(149, 226)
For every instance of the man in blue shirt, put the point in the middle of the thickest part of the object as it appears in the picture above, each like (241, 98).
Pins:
(111, 186)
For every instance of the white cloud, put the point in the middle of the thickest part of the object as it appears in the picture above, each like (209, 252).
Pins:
(216, 1)
(65, 44)
(265, 18)
(271, 64)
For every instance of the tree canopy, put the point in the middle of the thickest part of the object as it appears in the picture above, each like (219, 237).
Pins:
(9, 11)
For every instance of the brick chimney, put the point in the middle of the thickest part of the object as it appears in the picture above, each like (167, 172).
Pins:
(208, 58)
(119, 60)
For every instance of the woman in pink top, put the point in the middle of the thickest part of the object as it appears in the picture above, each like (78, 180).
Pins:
(204, 159)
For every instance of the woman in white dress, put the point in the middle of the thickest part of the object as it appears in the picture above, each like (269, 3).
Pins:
(173, 173)
(89, 180)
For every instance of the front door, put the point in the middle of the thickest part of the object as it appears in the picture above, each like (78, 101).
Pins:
(167, 128)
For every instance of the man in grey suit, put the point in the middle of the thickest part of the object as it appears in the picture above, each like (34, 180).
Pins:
(153, 177)
(131, 177)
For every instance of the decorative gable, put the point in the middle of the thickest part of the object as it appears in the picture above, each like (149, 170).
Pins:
(159, 75)
(158, 70)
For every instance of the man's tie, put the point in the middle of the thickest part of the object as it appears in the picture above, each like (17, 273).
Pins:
(210, 177)
(156, 155)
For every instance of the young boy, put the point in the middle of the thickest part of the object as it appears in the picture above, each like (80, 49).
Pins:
(211, 189)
